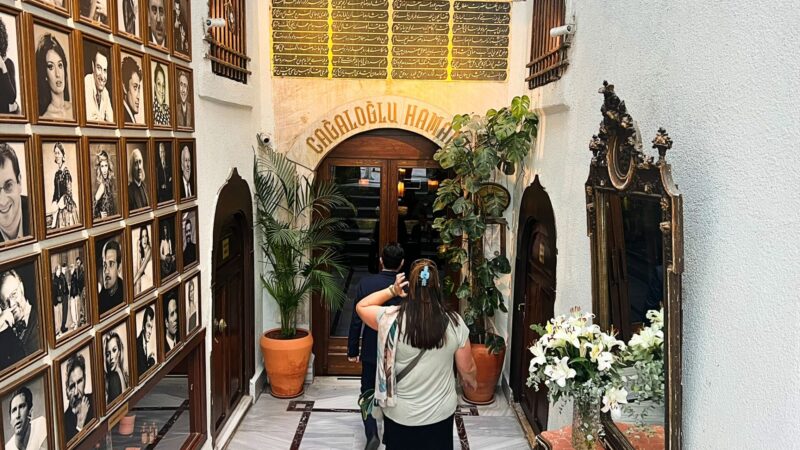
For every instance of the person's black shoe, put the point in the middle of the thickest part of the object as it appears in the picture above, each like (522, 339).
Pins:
(373, 443)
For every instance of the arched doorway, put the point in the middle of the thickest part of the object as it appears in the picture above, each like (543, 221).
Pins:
(534, 296)
(391, 178)
(232, 284)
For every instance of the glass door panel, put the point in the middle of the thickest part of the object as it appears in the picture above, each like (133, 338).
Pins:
(416, 192)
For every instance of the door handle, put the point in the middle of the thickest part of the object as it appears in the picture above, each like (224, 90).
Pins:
(520, 306)
(220, 326)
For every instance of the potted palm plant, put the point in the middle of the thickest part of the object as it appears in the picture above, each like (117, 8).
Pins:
(300, 242)
(482, 146)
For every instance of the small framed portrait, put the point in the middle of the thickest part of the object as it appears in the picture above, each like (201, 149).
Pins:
(140, 238)
(184, 111)
(161, 94)
(62, 184)
(137, 157)
(191, 303)
(66, 283)
(75, 399)
(133, 81)
(54, 85)
(129, 19)
(182, 29)
(167, 245)
(104, 179)
(188, 187)
(189, 250)
(16, 212)
(13, 96)
(95, 13)
(26, 413)
(171, 313)
(157, 24)
(109, 259)
(98, 82)
(147, 330)
(61, 7)
(21, 315)
(115, 357)
(165, 173)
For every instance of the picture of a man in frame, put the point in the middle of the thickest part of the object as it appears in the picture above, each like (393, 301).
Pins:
(132, 86)
(166, 186)
(128, 16)
(95, 11)
(189, 247)
(138, 192)
(79, 407)
(184, 113)
(180, 32)
(20, 332)
(145, 343)
(15, 211)
(97, 83)
(25, 417)
(187, 178)
(156, 22)
(69, 290)
(111, 287)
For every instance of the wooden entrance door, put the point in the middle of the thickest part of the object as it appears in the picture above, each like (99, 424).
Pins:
(391, 179)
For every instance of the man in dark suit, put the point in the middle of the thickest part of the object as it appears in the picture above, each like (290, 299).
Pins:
(12, 351)
(189, 247)
(26, 320)
(111, 294)
(137, 187)
(187, 187)
(14, 207)
(144, 358)
(131, 89)
(164, 174)
(391, 261)
(79, 410)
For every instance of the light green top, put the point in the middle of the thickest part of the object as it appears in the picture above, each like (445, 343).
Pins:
(428, 393)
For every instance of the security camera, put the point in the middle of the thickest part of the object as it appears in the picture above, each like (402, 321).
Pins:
(563, 30)
(264, 138)
(215, 22)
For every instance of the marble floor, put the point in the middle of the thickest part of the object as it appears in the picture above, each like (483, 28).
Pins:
(326, 417)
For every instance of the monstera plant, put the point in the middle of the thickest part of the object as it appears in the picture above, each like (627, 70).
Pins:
(481, 148)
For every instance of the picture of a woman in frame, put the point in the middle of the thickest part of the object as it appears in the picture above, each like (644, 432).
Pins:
(65, 210)
(142, 259)
(161, 114)
(105, 196)
(117, 379)
(9, 83)
(52, 79)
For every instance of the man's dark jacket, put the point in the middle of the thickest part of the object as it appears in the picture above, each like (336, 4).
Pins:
(369, 339)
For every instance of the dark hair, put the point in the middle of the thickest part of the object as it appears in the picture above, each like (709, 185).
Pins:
(143, 228)
(149, 314)
(129, 67)
(75, 361)
(159, 68)
(112, 244)
(3, 39)
(99, 50)
(60, 147)
(113, 335)
(423, 317)
(25, 392)
(392, 256)
(46, 43)
(8, 153)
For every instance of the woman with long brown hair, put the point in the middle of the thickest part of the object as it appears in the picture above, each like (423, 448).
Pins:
(417, 343)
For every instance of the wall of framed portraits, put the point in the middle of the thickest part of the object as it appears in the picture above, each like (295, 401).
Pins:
(99, 220)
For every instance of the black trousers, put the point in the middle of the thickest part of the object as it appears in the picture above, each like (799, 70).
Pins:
(368, 370)
(436, 436)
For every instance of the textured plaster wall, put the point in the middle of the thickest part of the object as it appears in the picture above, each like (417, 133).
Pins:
(721, 78)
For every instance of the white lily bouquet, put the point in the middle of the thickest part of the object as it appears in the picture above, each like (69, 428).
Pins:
(645, 354)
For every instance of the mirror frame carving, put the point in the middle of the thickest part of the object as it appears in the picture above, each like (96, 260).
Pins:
(619, 166)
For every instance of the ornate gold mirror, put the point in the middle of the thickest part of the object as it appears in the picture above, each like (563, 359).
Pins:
(635, 224)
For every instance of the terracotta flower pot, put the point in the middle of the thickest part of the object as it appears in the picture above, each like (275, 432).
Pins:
(286, 361)
(489, 367)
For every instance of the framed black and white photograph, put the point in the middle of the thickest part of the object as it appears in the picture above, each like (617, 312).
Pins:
(67, 278)
(138, 163)
(161, 94)
(62, 186)
(184, 100)
(165, 173)
(16, 211)
(167, 248)
(25, 412)
(21, 315)
(104, 179)
(191, 303)
(182, 29)
(99, 78)
(75, 394)
(157, 23)
(171, 314)
(140, 238)
(54, 85)
(61, 7)
(129, 19)
(188, 169)
(189, 250)
(133, 85)
(95, 13)
(13, 97)
(147, 332)
(115, 356)
(109, 266)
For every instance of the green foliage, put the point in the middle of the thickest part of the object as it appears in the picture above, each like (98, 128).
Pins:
(481, 146)
(302, 253)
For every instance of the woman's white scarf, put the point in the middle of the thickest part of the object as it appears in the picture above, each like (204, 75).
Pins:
(385, 385)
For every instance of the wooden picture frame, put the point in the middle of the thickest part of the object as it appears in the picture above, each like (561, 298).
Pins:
(127, 69)
(44, 110)
(154, 11)
(105, 114)
(16, 354)
(151, 355)
(190, 248)
(17, 56)
(122, 387)
(65, 10)
(110, 292)
(122, 25)
(101, 20)
(184, 146)
(26, 161)
(171, 318)
(191, 282)
(162, 115)
(165, 176)
(61, 366)
(65, 182)
(182, 30)
(167, 264)
(184, 121)
(78, 321)
(42, 404)
(148, 277)
(103, 154)
(137, 193)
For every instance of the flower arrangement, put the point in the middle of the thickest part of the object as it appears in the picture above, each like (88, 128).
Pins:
(645, 354)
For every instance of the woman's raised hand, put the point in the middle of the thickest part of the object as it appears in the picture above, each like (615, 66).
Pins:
(400, 283)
